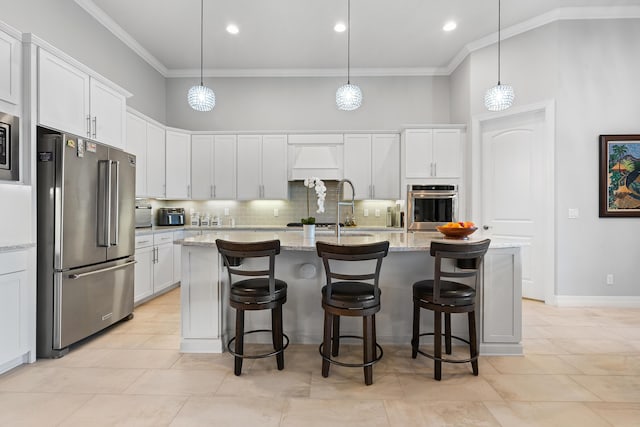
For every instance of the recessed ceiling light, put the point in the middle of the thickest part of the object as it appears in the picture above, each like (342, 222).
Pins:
(232, 29)
(450, 26)
(340, 27)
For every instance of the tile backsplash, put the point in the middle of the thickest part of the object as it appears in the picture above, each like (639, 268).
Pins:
(262, 212)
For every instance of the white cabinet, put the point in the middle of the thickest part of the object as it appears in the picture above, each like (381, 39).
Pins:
(10, 68)
(72, 101)
(262, 167)
(154, 271)
(147, 141)
(178, 176)
(145, 260)
(14, 303)
(213, 167)
(432, 153)
(372, 163)
(177, 256)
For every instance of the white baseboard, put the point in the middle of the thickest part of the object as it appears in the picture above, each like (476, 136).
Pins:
(201, 345)
(597, 301)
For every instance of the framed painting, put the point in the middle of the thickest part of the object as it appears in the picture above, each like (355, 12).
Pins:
(619, 175)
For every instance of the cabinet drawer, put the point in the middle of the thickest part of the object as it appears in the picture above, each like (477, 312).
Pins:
(144, 241)
(11, 262)
(160, 238)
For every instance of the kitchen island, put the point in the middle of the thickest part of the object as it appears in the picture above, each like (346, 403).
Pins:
(207, 319)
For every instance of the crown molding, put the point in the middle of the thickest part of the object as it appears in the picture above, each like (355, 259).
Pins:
(559, 14)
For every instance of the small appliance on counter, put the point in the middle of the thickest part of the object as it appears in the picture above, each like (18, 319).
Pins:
(170, 216)
(143, 214)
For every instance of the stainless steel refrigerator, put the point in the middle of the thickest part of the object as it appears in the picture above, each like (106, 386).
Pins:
(86, 241)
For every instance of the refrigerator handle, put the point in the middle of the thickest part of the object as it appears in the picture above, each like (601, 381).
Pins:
(115, 207)
(104, 202)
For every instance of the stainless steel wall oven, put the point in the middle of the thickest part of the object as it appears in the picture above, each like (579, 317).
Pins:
(431, 205)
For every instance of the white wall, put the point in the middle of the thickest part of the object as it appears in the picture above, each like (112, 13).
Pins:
(69, 28)
(309, 103)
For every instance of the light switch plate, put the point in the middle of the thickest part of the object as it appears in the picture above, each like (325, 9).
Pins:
(377, 212)
(366, 212)
(226, 211)
(573, 213)
(275, 211)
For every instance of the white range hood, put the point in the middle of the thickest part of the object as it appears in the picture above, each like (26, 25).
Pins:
(315, 155)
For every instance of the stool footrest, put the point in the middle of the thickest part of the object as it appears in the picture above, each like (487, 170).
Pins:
(351, 365)
(431, 356)
(257, 356)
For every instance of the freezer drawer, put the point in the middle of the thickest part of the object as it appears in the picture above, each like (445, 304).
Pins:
(89, 299)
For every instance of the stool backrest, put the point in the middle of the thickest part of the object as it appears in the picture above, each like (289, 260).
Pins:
(472, 252)
(231, 251)
(366, 252)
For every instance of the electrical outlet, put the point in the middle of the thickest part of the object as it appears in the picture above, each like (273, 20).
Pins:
(609, 279)
(366, 212)
(377, 212)
(226, 211)
(275, 211)
(573, 213)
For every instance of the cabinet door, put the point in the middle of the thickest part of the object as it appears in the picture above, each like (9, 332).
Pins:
(143, 284)
(108, 115)
(274, 167)
(357, 165)
(163, 268)
(9, 68)
(63, 95)
(249, 164)
(137, 144)
(178, 178)
(155, 161)
(224, 167)
(12, 321)
(418, 155)
(202, 167)
(447, 153)
(385, 166)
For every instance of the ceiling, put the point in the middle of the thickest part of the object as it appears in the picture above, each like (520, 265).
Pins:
(296, 37)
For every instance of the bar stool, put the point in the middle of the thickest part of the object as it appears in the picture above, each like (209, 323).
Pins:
(351, 296)
(256, 293)
(443, 296)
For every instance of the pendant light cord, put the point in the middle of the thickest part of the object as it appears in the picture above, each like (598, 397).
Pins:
(201, 41)
(349, 42)
(499, 42)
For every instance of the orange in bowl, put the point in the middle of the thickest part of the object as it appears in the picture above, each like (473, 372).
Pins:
(456, 231)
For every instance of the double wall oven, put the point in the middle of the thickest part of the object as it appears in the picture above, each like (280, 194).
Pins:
(431, 205)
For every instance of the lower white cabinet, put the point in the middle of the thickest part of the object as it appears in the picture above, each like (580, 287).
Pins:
(14, 302)
(177, 256)
(155, 264)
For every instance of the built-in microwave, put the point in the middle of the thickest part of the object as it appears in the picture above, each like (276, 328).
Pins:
(9, 147)
(431, 205)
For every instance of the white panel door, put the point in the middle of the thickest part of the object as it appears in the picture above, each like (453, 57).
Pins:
(447, 153)
(418, 153)
(143, 282)
(202, 167)
(108, 115)
(249, 167)
(274, 167)
(178, 161)
(63, 95)
(357, 165)
(163, 268)
(224, 167)
(137, 144)
(385, 166)
(512, 191)
(155, 161)
(9, 68)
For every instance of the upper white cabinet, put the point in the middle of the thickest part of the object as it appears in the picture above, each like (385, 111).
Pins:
(147, 141)
(262, 167)
(9, 68)
(72, 101)
(432, 153)
(372, 163)
(315, 155)
(213, 167)
(178, 176)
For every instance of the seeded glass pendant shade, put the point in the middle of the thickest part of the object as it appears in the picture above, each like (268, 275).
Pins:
(500, 97)
(200, 97)
(348, 97)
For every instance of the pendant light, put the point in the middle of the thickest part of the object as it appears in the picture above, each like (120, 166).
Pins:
(348, 97)
(201, 98)
(500, 97)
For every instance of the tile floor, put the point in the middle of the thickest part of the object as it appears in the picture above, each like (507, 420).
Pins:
(581, 368)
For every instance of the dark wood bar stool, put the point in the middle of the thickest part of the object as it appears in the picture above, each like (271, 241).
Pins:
(261, 292)
(444, 296)
(352, 295)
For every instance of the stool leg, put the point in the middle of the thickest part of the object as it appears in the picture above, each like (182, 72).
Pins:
(368, 348)
(276, 327)
(335, 346)
(437, 344)
(239, 347)
(416, 330)
(326, 343)
(473, 341)
(447, 333)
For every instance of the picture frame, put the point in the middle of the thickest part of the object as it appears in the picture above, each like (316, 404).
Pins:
(619, 176)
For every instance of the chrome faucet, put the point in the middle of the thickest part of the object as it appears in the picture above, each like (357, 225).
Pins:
(341, 203)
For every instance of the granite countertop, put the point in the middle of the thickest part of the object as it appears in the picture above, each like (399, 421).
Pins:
(159, 228)
(398, 242)
(14, 246)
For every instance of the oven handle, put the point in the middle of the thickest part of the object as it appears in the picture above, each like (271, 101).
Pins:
(433, 195)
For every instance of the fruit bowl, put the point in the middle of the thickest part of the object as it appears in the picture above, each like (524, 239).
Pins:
(456, 233)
